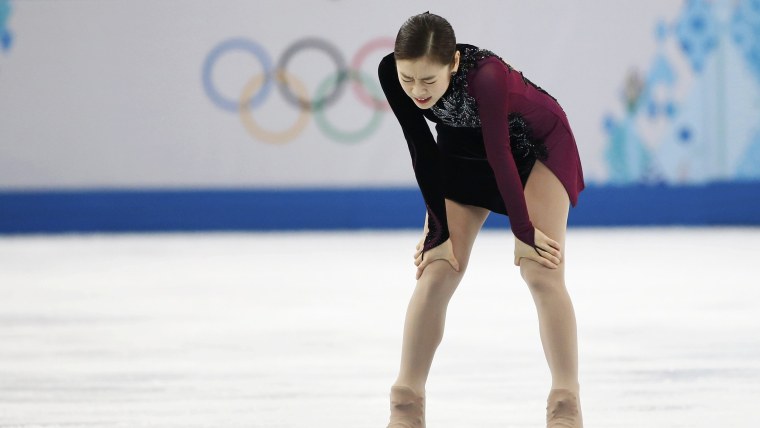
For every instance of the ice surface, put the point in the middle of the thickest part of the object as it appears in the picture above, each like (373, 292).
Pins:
(304, 329)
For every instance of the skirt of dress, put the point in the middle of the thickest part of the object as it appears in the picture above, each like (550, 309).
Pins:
(468, 177)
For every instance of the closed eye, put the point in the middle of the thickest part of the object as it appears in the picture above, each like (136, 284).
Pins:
(427, 82)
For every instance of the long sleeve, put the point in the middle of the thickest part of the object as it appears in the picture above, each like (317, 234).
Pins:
(489, 88)
(423, 150)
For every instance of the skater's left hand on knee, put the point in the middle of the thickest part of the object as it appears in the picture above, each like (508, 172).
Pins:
(546, 252)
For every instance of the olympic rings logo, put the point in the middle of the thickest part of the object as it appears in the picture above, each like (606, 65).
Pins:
(259, 87)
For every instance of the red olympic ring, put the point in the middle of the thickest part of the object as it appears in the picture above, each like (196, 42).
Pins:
(356, 63)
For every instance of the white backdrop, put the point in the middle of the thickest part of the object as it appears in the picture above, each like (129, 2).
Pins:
(110, 94)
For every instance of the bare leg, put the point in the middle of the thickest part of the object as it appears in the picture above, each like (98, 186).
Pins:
(426, 314)
(548, 206)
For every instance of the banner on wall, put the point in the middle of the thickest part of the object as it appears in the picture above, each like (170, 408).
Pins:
(199, 98)
(187, 93)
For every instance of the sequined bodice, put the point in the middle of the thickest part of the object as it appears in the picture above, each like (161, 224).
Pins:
(457, 107)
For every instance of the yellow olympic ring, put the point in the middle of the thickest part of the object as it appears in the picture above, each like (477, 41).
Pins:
(244, 107)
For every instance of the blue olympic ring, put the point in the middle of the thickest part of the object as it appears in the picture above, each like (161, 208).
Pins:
(237, 44)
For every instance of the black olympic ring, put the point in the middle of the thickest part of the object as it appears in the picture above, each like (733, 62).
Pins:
(341, 73)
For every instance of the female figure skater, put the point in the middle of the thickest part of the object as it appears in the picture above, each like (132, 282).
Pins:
(504, 145)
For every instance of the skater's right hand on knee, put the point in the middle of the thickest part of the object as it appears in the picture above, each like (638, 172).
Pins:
(418, 248)
(444, 251)
(421, 244)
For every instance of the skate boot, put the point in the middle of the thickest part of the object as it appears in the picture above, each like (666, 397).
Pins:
(407, 408)
(563, 410)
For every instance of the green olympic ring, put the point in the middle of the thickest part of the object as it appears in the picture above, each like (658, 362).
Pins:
(348, 136)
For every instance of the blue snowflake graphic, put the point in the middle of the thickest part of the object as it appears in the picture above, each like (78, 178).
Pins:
(704, 132)
(746, 32)
(6, 37)
(697, 32)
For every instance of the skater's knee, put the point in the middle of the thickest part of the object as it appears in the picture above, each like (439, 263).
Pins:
(441, 271)
(438, 281)
(542, 281)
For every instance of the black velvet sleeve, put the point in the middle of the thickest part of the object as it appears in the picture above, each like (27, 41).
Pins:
(422, 147)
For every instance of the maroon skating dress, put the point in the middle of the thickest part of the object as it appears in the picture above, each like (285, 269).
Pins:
(492, 125)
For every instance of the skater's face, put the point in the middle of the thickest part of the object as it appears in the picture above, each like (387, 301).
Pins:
(425, 80)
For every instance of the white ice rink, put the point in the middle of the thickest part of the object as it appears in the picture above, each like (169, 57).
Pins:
(303, 330)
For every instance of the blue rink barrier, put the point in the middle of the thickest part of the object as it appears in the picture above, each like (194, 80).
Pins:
(91, 211)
